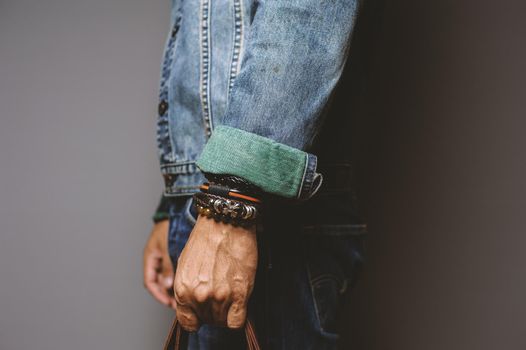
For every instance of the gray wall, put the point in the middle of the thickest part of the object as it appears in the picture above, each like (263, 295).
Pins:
(78, 172)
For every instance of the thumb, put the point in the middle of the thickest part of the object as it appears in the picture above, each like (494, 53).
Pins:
(167, 272)
(237, 314)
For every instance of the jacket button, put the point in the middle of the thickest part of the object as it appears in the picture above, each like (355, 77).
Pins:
(163, 107)
(169, 180)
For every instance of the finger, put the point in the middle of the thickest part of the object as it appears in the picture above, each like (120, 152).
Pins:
(237, 314)
(167, 272)
(219, 312)
(159, 293)
(187, 318)
(204, 313)
(152, 264)
(152, 278)
(220, 304)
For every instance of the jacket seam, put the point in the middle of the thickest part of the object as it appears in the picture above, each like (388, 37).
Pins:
(178, 163)
(238, 44)
(204, 71)
(303, 177)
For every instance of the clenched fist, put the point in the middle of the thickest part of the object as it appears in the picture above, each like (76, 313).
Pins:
(215, 275)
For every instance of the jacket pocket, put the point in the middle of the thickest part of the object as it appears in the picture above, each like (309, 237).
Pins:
(190, 211)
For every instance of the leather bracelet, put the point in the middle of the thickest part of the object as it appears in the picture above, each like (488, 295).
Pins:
(227, 192)
(234, 183)
(226, 210)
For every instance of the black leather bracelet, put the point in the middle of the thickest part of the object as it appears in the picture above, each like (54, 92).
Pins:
(235, 183)
(227, 192)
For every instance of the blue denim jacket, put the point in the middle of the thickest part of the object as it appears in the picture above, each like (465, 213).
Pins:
(245, 89)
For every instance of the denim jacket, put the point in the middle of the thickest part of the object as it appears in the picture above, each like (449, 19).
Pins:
(245, 89)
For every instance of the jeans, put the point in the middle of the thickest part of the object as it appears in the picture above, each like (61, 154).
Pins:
(302, 280)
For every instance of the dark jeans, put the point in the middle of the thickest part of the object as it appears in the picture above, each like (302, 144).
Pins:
(301, 283)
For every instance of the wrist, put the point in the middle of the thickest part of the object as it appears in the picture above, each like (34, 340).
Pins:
(217, 232)
(229, 199)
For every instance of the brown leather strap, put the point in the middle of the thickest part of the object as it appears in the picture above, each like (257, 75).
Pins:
(178, 338)
(250, 334)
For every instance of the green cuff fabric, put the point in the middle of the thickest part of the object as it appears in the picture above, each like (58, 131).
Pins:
(161, 213)
(274, 167)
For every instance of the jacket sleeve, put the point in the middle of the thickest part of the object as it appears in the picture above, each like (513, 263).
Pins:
(293, 60)
(162, 211)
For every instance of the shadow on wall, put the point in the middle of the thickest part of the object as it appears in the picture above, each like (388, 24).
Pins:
(438, 151)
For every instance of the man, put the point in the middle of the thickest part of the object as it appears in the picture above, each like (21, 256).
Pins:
(244, 108)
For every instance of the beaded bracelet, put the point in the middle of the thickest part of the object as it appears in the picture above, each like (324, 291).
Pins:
(226, 210)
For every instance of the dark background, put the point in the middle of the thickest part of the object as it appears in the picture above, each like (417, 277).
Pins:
(441, 172)
(438, 113)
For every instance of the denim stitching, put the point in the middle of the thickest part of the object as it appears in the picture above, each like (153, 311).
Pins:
(308, 177)
(187, 211)
(178, 191)
(187, 168)
(300, 190)
(179, 168)
(238, 44)
(205, 66)
(164, 140)
(315, 304)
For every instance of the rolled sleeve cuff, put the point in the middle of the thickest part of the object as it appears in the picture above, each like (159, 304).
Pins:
(162, 211)
(274, 167)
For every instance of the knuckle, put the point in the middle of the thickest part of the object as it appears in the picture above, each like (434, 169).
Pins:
(187, 320)
(222, 294)
(239, 294)
(237, 320)
(180, 291)
(202, 294)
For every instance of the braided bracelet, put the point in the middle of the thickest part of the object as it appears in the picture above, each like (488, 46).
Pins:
(226, 210)
(227, 192)
(235, 183)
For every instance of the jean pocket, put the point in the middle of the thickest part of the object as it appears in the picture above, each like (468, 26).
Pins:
(190, 211)
(333, 264)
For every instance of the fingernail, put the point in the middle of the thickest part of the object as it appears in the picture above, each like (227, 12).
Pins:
(168, 282)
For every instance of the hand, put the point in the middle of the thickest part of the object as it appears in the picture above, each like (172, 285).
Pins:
(215, 275)
(158, 270)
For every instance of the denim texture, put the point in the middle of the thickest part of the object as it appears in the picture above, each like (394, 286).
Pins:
(302, 281)
(274, 167)
(266, 67)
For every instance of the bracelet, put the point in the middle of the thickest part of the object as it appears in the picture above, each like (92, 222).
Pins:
(234, 183)
(226, 210)
(224, 191)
